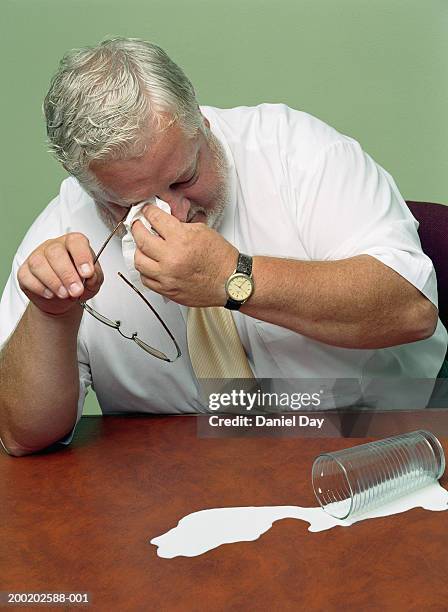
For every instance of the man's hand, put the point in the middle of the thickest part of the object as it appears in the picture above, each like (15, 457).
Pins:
(188, 262)
(52, 276)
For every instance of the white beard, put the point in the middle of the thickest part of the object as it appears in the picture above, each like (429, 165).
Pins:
(109, 217)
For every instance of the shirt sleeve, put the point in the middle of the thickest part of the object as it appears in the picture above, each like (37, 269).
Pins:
(12, 306)
(351, 206)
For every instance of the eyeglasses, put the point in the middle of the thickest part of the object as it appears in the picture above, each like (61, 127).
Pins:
(117, 324)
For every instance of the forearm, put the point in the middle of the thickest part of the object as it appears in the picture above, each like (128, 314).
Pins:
(39, 380)
(351, 303)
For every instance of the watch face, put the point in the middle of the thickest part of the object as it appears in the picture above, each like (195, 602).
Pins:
(239, 287)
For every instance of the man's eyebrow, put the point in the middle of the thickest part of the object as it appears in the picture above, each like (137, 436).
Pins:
(189, 168)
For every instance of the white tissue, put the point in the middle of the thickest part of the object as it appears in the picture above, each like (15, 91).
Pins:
(128, 245)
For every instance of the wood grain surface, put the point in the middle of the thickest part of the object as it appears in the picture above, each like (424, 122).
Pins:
(80, 519)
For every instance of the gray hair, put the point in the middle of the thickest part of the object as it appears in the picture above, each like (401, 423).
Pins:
(102, 100)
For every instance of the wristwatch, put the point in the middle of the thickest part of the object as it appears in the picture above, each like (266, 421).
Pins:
(240, 284)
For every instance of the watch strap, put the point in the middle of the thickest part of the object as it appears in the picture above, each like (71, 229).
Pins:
(232, 304)
(243, 266)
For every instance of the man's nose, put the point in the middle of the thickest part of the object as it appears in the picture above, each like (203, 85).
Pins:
(179, 205)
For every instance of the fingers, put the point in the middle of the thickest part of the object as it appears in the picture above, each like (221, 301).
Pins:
(96, 278)
(82, 255)
(58, 267)
(57, 271)
(152, 246)
(147, 267)
(39, 266)
(29, 283)
(162, 222)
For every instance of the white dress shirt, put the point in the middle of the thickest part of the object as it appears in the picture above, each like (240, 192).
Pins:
(299, 189)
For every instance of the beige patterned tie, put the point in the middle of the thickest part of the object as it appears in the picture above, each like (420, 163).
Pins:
(214, 344)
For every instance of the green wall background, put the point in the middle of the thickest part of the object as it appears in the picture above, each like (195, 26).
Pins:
(374, 69)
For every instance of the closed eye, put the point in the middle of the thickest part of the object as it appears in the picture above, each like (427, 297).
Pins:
(188, 182)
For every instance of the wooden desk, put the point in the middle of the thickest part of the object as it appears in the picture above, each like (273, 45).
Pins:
(80, 519)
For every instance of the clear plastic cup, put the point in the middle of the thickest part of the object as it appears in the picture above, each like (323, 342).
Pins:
(357, 479)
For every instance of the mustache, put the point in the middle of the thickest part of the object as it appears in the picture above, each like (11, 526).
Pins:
(194, 209)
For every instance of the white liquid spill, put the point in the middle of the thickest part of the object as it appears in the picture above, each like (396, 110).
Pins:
(201, 531)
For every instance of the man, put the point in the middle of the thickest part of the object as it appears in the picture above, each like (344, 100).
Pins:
(331, 281)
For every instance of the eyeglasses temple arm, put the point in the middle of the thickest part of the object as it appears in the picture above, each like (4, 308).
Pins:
(110, 237)
(162, 322)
